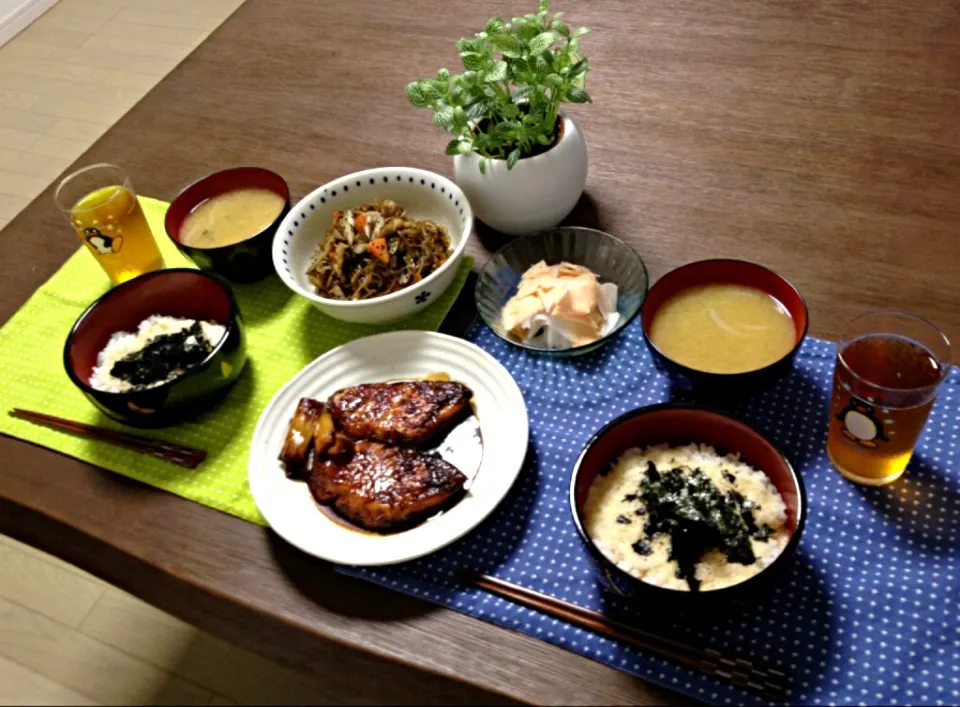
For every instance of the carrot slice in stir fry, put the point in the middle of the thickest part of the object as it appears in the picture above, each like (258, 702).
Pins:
(378, 249)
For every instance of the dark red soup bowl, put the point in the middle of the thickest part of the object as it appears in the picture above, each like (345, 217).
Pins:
(679, 425)
(737, 272)
(248, 260)
(183, 293)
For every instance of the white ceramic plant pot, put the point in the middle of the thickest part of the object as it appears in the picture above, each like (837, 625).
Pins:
(536, 194)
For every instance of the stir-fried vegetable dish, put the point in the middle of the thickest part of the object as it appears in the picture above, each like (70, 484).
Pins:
(374, 249)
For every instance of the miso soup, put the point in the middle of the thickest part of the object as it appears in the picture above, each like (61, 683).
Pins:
(723, 328)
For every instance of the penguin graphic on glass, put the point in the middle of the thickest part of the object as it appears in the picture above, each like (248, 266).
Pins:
(860, 425)
(104, 245)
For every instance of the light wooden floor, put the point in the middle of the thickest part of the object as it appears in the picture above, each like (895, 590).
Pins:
(67, 637)
(69, 76)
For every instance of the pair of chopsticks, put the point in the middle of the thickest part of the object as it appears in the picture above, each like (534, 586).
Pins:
(187, 457)
(766, 682)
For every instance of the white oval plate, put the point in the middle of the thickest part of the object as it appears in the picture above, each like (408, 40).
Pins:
(290, 509)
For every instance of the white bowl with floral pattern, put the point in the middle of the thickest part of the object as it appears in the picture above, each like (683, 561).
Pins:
(422, 194)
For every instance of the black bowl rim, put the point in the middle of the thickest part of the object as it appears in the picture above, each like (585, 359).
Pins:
(621, 325)
(788, 550)
(266, 229)
(729, 376)
(230, 327)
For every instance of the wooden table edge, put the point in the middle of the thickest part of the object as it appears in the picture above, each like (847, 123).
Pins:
(207, 620)
(250, 627)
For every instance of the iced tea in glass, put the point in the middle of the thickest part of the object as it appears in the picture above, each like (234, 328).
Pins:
(889, 366)
(102, 207)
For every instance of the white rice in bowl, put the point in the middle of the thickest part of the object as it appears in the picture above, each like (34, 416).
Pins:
(124, 343)
(615, 516)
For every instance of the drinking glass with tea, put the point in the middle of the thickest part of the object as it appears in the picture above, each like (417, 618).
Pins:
(102, 207)
(889, 366)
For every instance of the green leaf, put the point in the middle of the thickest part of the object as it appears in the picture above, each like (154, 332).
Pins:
(560, 28)
(443, 117)
(453, 147)
(545, 140)
(527, 30)
(513, 158)
(580, 31)
(495, 25)
(467, 45)
(429, 89)
(510, 111)
(443, 75)
(578, 95)
(573, 46)
(477, 110)
(415, 94)
(522, 93)
(552, 80)
(578, 69)
(472, 61)
(508, 44)
(483, 165)
(498, 72)
(542, 42)
(502, 130)
(466, 147)
(543, 6)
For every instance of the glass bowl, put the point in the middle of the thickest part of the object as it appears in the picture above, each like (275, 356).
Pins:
(610, 258)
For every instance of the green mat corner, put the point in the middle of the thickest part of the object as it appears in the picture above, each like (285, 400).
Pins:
(285, 332)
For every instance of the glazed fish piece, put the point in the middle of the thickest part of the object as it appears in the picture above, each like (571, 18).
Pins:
(310, 432)
(407, 412)
(382, 488)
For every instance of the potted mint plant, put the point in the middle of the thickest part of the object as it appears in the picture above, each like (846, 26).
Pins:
(520, 161)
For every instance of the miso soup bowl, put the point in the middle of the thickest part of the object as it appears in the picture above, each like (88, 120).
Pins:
(179, 292)
(718, 386)
(247, 260)
(675, 425)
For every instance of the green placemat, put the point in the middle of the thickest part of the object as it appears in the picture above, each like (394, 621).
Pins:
(285, 333)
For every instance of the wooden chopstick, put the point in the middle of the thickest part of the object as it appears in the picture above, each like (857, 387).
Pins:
(180, 455)
(769, 683)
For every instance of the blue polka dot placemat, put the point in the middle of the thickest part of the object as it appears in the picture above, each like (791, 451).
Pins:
(867, 614)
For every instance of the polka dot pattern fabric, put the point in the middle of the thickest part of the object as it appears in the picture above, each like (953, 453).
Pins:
(868, 612)
(284, 333)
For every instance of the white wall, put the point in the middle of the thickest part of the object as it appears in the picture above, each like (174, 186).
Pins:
(16, 16)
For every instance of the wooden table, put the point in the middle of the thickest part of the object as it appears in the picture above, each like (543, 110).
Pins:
(819, 138)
